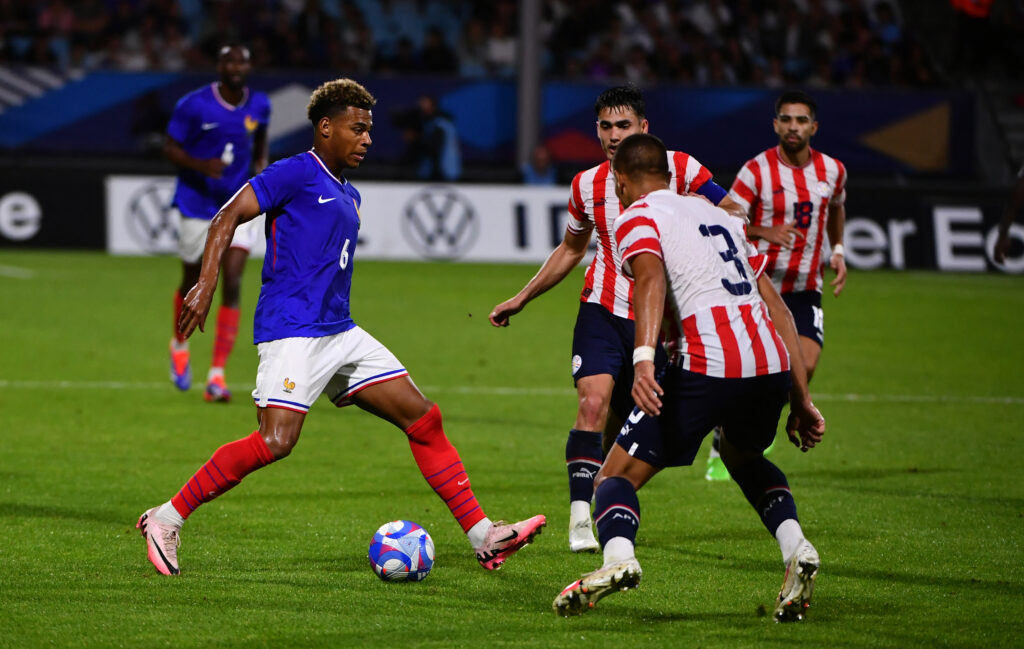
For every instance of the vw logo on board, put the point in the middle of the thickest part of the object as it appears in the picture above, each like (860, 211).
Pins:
(150, 218)
(440, 223)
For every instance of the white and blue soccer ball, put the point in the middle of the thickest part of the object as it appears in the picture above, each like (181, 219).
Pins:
(401, 551)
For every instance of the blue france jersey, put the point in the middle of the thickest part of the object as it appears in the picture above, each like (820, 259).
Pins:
(312, 227)
(206, 126)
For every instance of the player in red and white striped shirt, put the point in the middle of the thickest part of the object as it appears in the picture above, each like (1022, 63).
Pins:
(794, 196)
(603, 335)
(694, 283)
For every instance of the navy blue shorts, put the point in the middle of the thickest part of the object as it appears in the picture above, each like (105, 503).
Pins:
(806, 309)
(602, 343)
(747, 409)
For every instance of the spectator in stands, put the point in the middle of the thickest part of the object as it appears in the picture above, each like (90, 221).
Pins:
(440, 158)
(437, 57)
(539, 170)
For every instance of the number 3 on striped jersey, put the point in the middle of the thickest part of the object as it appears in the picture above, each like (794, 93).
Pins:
(343, 262)
(742, 287)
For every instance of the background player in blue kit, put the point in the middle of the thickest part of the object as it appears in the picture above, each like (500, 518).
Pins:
(217, 137)
(308, 343)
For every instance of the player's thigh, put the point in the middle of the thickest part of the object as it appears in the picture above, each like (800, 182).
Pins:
(807, 315)
(375, 380)
(752, 410)
(691, 406)
(599, 344)
(192, 239)
(293, 372)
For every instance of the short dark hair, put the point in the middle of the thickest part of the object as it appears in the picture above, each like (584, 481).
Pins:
(335, 97)
(641, 154)
(628, 96)
(796, 97)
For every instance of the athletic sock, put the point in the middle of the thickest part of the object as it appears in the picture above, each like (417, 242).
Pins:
(789, 535)
(440, 464)
(227, 331)
(478, 533)
(178, 301)
(616, 510)
(226, 468)
(767, 490)
(583, 458)
(617, 549)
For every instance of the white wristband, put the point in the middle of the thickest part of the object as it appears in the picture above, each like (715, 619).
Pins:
(643, 353)
(838, 249)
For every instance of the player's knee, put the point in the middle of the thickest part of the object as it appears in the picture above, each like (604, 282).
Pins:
(280, 439)
(593, 411)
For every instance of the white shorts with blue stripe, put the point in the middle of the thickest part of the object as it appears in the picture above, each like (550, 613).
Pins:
(293, 372)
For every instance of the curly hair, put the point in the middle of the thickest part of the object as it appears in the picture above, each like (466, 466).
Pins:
(334, 97)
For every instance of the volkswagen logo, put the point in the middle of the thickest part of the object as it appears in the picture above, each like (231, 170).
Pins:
(151, 220)
(440, 223)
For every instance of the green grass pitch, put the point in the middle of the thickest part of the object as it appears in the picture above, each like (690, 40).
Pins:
(914, 500)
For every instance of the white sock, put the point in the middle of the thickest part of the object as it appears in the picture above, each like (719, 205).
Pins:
(789, 536)
(214, 372)
(178, 347)
(168, 514)
(579, 510)
(618, 549)
(478, 533)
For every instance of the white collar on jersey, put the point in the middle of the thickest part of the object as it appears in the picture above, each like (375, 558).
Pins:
(226, 104)
(320, 162)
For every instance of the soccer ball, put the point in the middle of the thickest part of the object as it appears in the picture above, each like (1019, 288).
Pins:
(401, 551)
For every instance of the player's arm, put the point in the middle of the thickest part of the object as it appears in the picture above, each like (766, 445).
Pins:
(261, 149)
(559, 263)
(648, 306)
(733, 208)
(242, 207)
(836, 225)
(176, 154)
(805, 425)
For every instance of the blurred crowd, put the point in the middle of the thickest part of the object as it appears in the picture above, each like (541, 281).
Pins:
(849, 43)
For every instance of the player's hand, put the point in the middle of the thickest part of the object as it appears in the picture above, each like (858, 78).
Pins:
(194, 309)
(805, 425)
(500, 314)
(838, 264)
(213, 167)
(784, 235)
(1002, 247)
(646, 391)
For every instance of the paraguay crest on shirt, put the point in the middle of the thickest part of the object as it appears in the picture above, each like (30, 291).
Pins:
(824, 189)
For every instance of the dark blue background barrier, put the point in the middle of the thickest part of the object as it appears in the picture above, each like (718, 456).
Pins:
(876, 133)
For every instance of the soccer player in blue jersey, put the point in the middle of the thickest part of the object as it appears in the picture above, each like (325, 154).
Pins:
(308, 343)
(217, 137)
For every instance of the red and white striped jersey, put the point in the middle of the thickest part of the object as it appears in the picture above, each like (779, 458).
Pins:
(774, 193)
(713, 310)
(594, 205)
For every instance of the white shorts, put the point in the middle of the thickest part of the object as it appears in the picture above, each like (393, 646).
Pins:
(192, 237)
(293, 372)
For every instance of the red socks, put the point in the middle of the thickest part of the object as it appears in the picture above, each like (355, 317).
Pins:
(440, 464)
(178, 301)
(229, 464)
(227, 331)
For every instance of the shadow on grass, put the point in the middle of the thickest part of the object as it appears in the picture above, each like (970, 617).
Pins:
(21, 510)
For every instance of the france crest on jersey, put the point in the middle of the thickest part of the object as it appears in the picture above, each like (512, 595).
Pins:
(312, 227)
(206, 127)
